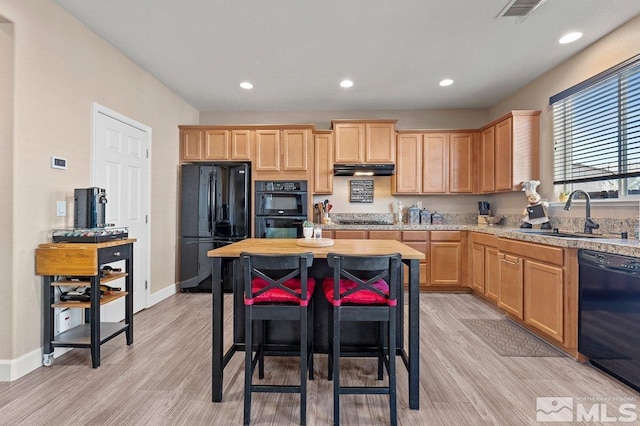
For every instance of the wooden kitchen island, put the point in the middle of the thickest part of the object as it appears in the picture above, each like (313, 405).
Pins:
(222, 256)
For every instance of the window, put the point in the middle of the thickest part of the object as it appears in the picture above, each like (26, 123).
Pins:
(596, 132)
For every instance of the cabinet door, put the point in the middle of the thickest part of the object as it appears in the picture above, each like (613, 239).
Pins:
(543, 297)
(478, 267)
(461, 162)
(487, 160)
(408, 177)
(446, 260)
(435, 163)
(191, 142)
(510, 295)
(491, 273)
(504, 156)
(241, 145)
(295, 147)
(349, 143)
(216, 145)
(379, 143)
(267, 150)
(323, 164)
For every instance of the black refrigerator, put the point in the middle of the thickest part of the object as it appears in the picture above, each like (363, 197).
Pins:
(214, 211)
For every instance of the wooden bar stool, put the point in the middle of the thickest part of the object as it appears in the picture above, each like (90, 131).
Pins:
(364, 289)
(277, 287)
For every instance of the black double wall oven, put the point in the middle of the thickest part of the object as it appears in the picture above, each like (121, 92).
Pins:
(281, 208)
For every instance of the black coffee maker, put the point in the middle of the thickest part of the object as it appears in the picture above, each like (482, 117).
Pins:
(484, 208)
(90, 206)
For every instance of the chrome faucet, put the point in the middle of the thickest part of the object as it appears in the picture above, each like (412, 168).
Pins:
(589, 224)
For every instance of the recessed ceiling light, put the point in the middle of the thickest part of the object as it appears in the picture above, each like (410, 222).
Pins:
(246, 85)
(446, 82)
(346, 83)
(570, 38)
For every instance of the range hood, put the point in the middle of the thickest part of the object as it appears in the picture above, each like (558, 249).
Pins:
(363, 169)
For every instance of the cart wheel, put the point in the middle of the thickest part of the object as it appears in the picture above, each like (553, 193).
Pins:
(47, 360)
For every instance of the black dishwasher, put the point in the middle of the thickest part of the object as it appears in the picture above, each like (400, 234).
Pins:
(609, 314)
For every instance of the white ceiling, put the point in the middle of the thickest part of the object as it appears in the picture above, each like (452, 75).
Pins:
(295, 52)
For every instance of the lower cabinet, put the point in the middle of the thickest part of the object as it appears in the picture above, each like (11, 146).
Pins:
(511, 284)
(447, 255)
(535, 288)
(483, 266)
(544, 293)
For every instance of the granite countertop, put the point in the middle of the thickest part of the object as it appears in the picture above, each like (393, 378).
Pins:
(608, 243)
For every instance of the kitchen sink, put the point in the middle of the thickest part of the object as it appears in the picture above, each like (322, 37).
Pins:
(556, 233)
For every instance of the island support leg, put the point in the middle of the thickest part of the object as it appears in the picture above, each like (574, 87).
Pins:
(216, 331)
(414, 333)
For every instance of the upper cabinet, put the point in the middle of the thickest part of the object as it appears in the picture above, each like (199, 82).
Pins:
(434, 163)
(359, 141)
(283, 150)
(214, 144)
(323, 162)
(509, 152)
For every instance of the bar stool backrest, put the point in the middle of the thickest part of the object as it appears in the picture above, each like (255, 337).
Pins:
(281, 274)
(364, 274)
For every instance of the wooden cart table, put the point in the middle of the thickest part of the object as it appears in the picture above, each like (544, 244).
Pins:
(78, 265)
(411, 257)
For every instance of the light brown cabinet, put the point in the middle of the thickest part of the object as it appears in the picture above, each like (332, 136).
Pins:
(434, 163)
(323, 163)
(418, 240)
(285, 150)
(509, 151)
(359, 141)
(447, 258)
(214, 144)
(536, 287)
(484, 265)
(510, 293)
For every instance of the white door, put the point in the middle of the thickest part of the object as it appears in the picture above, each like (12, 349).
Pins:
(121, 166)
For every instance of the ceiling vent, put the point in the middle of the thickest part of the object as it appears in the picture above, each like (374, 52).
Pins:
(519, 9)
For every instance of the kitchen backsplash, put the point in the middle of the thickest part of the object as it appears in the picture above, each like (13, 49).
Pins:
(569, 224)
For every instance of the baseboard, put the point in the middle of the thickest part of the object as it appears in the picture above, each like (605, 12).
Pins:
(159, 296)
(11, 370)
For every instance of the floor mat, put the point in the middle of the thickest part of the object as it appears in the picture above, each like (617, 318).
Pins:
(510, 340)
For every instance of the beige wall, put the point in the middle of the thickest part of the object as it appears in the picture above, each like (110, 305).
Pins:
(407, 119)
(616, 47)
(6, 175)
(61, 68)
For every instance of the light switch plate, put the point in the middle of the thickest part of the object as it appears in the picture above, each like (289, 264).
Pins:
(61, 208)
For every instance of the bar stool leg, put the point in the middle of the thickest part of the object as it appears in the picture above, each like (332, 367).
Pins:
(336, 365)
(248, 370)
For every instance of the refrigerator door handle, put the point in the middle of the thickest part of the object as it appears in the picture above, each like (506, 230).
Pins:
(210, 193)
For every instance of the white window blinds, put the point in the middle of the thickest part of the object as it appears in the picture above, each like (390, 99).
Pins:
(596, 127)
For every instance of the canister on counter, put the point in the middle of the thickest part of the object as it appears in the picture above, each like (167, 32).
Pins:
(414, 215)
(436, 218)
(425, 217)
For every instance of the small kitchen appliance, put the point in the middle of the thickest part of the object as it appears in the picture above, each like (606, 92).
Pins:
(484, 210)
(89, 208)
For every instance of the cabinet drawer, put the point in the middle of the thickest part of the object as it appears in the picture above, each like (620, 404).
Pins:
(446, 235)
(415, 235)
(543, 253)
(385, 235)
(113, 254)
(484, 239)
(354, 234)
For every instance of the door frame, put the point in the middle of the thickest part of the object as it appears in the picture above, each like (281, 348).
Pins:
(100, 109)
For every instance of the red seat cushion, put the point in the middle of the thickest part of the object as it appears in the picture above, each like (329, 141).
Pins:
(278, 295)
(362, 297)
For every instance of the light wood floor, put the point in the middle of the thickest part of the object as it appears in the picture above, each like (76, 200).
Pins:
(164, 378)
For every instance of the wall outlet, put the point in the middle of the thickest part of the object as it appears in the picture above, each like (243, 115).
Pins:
(61, 208)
